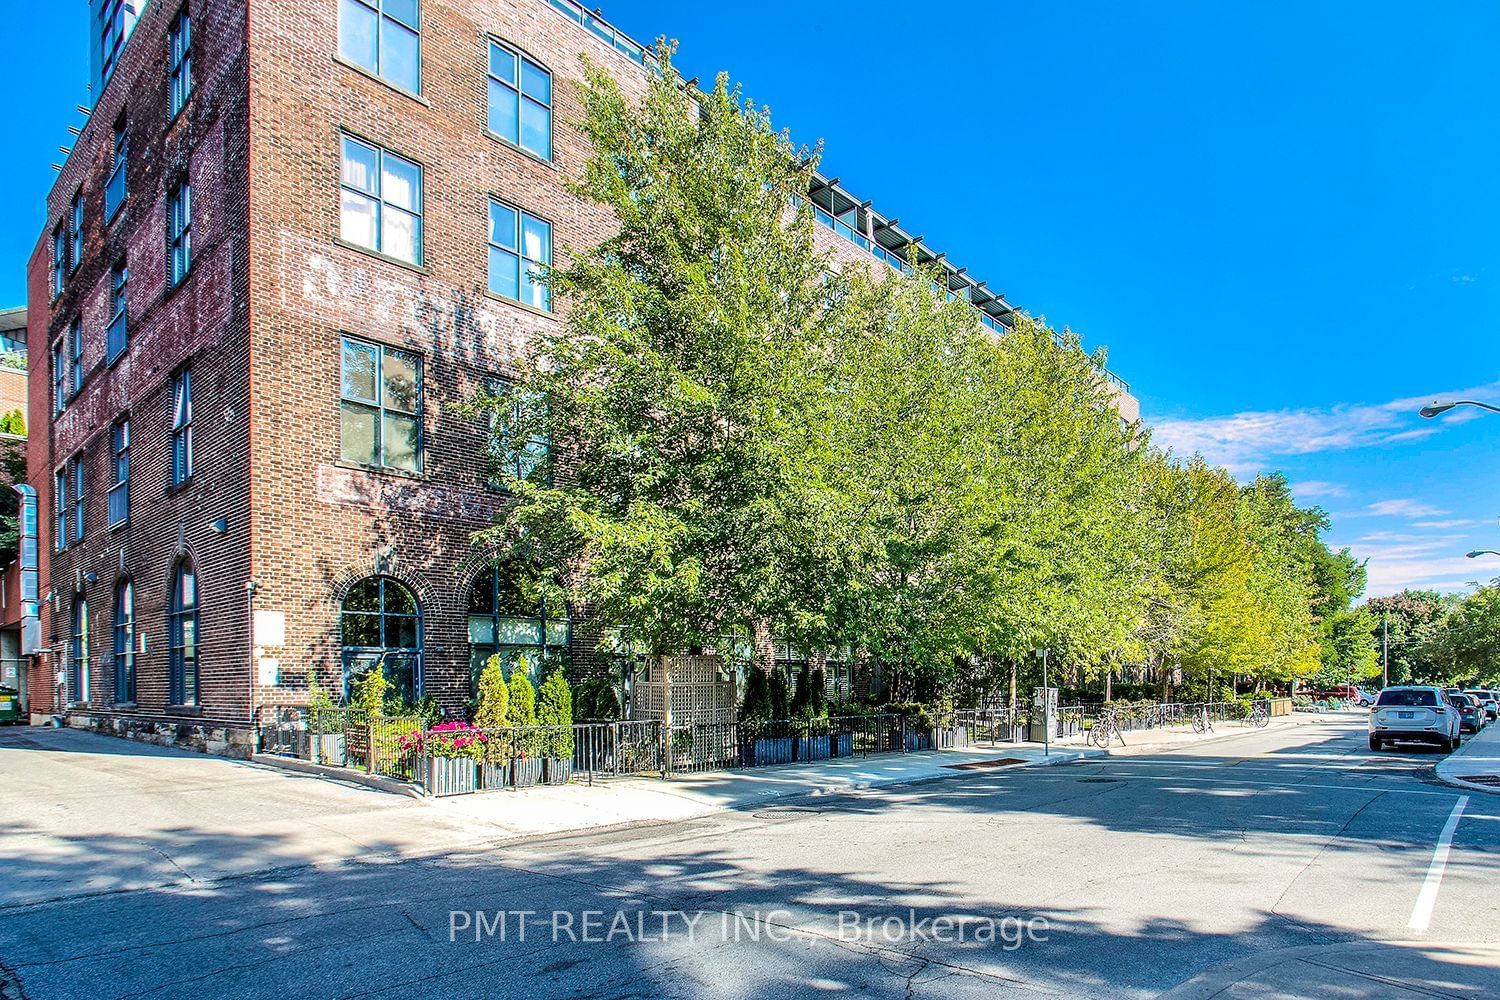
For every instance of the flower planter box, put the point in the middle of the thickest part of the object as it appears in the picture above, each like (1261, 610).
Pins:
(759, 753)
(557, 770)
(950, 738)
(526, 771)
(328, 748)
(451, 776)
(814, 747)
(918, 741)
(494, 774)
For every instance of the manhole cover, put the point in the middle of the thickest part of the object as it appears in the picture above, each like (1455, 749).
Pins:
(1481, 779)
(1098, 781)
(780, 812)
(978, 765)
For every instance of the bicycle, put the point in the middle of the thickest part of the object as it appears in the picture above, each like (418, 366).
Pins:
(1106, 729)
(1201, 722)
(1257, 715)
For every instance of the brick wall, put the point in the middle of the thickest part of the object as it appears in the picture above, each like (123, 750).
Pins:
(203, 323)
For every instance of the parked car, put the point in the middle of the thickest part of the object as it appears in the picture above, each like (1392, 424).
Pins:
(1471, 716)
(1488, 700)
(1414, 714)
(1339, 692)
(1365, 696)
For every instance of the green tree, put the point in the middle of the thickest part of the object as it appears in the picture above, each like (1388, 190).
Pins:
(1414, 621)
(674, 382)
(554, 708)
(493, 711)
(370, 691)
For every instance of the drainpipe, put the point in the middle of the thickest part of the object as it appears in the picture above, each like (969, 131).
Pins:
(250, 652)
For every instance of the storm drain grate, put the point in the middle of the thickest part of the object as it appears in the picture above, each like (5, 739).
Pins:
(979, 765)
(1481, 779)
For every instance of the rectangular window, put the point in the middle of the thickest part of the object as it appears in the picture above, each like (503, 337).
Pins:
(75, 232)
(520, 100)
(511, 454)
(182, 427)
(59, 260)
(114, 188)
(179, 63)
(179, 232)
(111, 37)
(384, 37)
(117, 338)
(61, 507)
(381, 201)
(59, 377)
(520, 249)
(381, 406)
(119, 493)
(75, 357)
(79, 493)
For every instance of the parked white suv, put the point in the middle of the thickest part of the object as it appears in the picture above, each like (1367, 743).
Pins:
(1414, 714)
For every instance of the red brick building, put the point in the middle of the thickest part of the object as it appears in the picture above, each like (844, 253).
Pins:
(290, 235)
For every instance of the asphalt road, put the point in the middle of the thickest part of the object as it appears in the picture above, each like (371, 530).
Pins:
(1296, 849)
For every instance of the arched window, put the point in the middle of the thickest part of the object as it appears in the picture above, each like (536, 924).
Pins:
(80, 648)
(381, 625)
(508, 615)
(124, 641)
(182, 636)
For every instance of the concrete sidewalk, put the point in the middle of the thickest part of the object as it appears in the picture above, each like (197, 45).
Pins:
(1419, 969)
(1475, 765)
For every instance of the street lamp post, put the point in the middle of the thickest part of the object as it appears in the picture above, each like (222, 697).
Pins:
(1434, 408)
(1481, 552)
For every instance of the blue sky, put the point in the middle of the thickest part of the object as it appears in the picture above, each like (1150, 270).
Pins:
(1282, 219)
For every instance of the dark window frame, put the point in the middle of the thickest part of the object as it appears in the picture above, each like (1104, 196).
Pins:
(124, 641)
(184, 654)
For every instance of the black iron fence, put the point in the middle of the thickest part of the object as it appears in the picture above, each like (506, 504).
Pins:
(455, 759)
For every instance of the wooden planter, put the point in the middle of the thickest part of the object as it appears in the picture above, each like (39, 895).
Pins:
(557, 770)
(451, 776)
(918, 741)
(814, 747)
(759, 753)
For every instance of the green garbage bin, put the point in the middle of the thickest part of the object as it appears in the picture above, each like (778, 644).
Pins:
(10, 705)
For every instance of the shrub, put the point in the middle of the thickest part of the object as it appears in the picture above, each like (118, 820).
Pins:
(780, 702)
(554, 708)
(523, 710)
(493, 710)
(369, 692)
(919, 717)
(594, 700)
(448, 739)
(818, 701)
(755, 705)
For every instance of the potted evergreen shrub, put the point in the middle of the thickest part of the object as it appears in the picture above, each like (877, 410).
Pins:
(554, 712)
(491, 715)
(762, 739)
(526, 762)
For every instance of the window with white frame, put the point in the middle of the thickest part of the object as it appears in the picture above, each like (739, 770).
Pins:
(520, 100)
(179, 62)
(380, 406)
(520, 251)
(179, 232)
(182, 427)
(381, 201)
(384, 37)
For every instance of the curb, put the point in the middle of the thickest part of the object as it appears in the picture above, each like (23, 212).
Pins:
(1453, 763)
(341, 775)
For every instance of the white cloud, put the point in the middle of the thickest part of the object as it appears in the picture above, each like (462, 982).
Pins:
(1318, 488)
(1247, 442)
(1460, 522)
(1402, 508)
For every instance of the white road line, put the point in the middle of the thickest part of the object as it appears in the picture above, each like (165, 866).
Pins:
(1421, 914)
